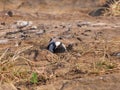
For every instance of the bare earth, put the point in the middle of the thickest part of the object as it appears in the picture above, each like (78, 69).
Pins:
(92, 61)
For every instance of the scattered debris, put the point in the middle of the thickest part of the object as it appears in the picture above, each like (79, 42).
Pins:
(3, 23)
(40, 32)
(78, 38)
(84, 23)
(70, 47)
(117, 54)
(84, 34)
(94, 24)
(24, 36)
(17, 43)
(34, 54)
(33, 27)
(88, 30)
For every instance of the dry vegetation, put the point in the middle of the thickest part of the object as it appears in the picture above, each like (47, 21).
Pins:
(114, 8)
(95, 48)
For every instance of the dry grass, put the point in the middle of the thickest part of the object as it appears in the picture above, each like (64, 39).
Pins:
(9, 69)
(85, 59)
(16, 68)
(113, 9)
(102, 62)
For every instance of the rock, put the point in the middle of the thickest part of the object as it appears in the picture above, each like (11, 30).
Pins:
(97, 12)
(22, 24)
(33, 27)
(116, 54)
(40, 32)
(4, 41)
(10, 13)
(84, 23)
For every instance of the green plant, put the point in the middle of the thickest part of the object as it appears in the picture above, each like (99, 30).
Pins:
(110, 66)
(100, 64)
(34, 78)
(105, 65)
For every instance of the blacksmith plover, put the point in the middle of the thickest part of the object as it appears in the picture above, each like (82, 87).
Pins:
(56, 46)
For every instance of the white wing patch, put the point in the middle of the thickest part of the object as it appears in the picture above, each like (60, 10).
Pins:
(57, 44)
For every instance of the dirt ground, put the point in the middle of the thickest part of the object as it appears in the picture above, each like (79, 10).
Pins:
(92, 59)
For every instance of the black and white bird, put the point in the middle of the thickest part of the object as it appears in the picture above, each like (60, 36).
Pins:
(56, 46)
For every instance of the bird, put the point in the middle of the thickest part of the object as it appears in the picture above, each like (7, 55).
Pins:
(56, 46)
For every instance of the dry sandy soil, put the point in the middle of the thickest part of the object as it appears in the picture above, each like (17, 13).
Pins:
(92, 59)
